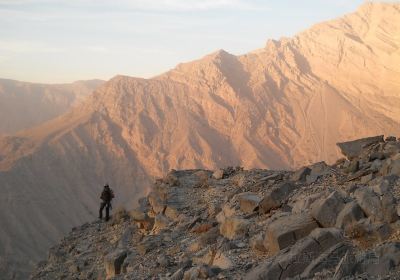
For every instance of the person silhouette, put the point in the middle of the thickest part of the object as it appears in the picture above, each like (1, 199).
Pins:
(106, 196)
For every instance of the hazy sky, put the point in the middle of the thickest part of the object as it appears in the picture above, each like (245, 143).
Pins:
(56, 41)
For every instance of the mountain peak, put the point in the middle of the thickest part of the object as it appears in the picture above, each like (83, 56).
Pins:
(219, 55)
(379, 9)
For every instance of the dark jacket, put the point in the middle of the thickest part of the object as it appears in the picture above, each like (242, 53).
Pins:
(107, 195)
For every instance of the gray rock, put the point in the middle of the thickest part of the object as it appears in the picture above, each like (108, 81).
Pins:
(379, 209)
(382, 231)
(381, 188)
(275, 197)
(391, 149)
(303, 203)
(267, 270)
(346, 266)
(327, 260)
(377, 155)
(303, 257)
(394, 168)
(369, 202)
(301, 174)
(218, 174)
(327, 209)
(113, 262)
(327, 237)
(391, 138)
(380, 261)
(285, 231)
(353, 149)
(376, 165)
(389, 205)
(248, 202)
(350, 214)
(367, 178)
(353, 167)
(317, 170)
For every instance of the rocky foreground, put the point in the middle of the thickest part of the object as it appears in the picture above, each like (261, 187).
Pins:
(320, 222)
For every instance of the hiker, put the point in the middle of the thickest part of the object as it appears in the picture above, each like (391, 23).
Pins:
(106, 196)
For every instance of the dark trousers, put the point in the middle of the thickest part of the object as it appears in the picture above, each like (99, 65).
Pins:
(107, 206)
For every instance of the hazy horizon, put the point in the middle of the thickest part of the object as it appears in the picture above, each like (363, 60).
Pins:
(63, 41)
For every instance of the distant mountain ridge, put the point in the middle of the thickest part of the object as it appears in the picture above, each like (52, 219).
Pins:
(280, 107)
(25, 105)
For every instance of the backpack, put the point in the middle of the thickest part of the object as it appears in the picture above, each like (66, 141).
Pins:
(107, 195)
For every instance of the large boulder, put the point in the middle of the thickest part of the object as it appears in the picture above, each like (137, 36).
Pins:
(353, 149)
(248, 202)
(275, 197)
(285, 231)
(234, 227)
(327, 209)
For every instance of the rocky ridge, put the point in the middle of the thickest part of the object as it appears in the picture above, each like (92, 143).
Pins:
(319, 222)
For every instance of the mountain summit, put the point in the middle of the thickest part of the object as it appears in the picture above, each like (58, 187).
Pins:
(280, 107)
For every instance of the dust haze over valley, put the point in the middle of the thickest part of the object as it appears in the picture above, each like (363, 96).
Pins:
(282, 106)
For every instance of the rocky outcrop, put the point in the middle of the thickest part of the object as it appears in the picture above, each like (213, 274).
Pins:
(334, 227)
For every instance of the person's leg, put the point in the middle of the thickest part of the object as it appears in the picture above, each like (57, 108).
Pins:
(102, 205)
(107, 211)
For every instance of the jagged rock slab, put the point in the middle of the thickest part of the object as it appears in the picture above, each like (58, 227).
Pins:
(352, 149)
(287, 230)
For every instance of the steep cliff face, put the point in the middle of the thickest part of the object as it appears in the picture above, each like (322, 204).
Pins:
(25, 105)
(279, 107)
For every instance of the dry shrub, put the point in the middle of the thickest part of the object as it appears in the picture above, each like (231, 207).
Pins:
(120, 215)
(202, 228)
